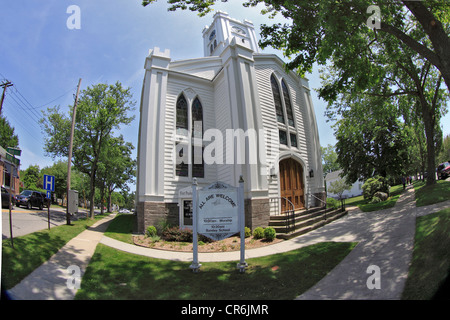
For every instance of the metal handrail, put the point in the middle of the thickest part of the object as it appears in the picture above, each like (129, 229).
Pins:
(290, 216)
(324, 202)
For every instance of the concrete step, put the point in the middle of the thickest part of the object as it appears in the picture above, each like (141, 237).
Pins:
(305, 223)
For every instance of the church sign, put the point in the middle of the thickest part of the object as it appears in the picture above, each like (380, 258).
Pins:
(218, 211)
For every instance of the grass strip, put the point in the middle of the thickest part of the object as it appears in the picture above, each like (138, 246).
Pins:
(430, 264)
(113, 274)
(427, 195)
(32, 250)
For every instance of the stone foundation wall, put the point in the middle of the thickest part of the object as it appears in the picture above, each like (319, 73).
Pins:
(257, 213)
(151, 213)
(322, 196)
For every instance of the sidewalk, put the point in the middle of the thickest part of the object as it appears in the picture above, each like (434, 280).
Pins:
(385, 237)
(386, 240)
(49, 281)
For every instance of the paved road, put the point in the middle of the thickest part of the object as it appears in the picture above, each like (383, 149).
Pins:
(27, 221)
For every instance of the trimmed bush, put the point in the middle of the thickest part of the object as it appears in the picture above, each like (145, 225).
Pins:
(374, 185)
(269, 234)
(177, 234)
(258, 233)
(248, 232)
(151, 231)
(332, 203)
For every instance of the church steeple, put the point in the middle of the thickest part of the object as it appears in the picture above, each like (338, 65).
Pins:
(223, 29)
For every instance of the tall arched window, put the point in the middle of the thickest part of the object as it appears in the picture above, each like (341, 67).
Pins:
(198, 169)
(197, 119)
(182, 116)
(287, 103)
(277, 99)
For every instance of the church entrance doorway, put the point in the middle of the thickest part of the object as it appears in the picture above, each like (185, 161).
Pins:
(291, 184)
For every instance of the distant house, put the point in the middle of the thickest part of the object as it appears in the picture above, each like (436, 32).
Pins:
(355, 190)
(7, 169)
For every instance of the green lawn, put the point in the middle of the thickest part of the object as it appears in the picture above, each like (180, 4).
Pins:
(430, 264)
(368, 207)
(114, 274)
(33, 249)
(426, 195)
(121, 228)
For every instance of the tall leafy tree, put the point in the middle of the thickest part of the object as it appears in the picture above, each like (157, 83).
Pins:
(116, 167)
(7, 136)
(371, 140)
(329, 159)
(101, 109)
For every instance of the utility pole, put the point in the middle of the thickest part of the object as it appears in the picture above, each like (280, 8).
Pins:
(4, 85)
(70, 151)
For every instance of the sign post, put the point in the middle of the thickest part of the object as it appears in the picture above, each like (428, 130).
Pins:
(195, 266)
(49, 195)
(218, 213)
(242, 264)
(49, 185)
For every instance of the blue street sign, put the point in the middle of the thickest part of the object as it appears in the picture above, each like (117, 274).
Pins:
(49, 182)
(49, 194)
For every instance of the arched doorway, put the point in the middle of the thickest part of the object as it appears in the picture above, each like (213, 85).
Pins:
(291, 184)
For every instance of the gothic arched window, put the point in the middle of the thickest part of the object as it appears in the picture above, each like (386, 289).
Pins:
(287, 103)
(197, 119)
(198, 169)
(182, 116)
(277, 99)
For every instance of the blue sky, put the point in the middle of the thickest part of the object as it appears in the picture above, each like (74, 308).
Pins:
(44, 59)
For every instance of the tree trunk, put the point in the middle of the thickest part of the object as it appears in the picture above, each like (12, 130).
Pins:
(92, 195)
(428, 120)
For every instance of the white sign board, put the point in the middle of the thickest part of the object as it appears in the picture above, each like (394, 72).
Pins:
(218, 215)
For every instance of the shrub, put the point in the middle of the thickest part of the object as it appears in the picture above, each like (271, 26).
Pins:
(151, 231)
(375, 200)
(373, 185)
(332, 203)
(154, 238)
(381, 195)
(269, 234)
(177, 234)
(258, 233)
(248, 232)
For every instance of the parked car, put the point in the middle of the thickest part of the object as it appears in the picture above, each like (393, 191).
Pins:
(30, 198)
(5, 198)
(443, 170)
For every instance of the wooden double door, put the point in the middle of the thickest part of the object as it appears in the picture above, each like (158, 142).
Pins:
(291, 184)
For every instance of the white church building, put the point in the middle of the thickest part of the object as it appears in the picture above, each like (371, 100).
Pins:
(234, 112)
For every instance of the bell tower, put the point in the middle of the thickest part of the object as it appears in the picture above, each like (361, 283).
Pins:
(223, 29)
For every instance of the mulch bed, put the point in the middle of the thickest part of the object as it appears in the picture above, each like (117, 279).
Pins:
(228, 244)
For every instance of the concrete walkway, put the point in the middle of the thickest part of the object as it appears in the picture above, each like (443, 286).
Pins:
(60, 276)
(385, 239)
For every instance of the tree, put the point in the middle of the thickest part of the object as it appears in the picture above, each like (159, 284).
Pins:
(31, 178)
(339, 187)
(7, 136)
(444, 154)
(116, 167)
(329, 159)
(370, 139)
(101, 109)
